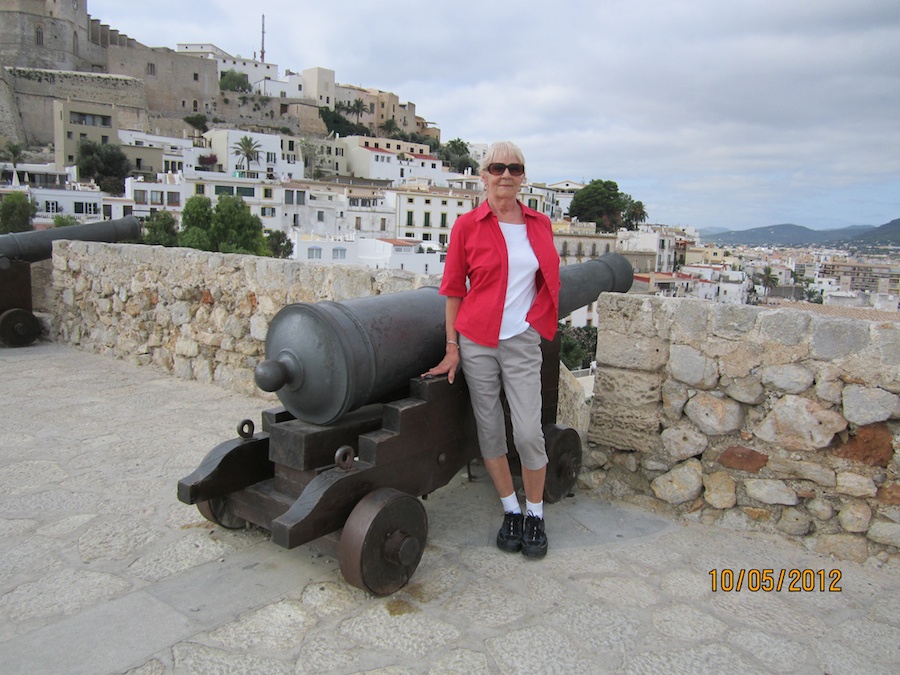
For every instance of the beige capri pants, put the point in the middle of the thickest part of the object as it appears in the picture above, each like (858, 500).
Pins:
(516, 364)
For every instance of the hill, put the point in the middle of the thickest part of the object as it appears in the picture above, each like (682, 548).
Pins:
(888, 234)
(788, 234)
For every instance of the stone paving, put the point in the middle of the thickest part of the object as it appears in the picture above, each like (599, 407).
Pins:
(102, 570)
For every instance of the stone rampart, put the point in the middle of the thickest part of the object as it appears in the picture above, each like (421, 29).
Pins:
(773, 419)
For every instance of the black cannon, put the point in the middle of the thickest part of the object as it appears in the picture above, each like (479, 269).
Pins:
(18, 325)
(361, 435)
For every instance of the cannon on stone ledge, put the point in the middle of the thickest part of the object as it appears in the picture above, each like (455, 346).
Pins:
(18, 325)
(361, 435)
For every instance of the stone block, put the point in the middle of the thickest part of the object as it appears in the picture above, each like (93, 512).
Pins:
(797, 423)
(872, 444)
(770, 491)
(837, 338)
(794, 522)
(733, 321)
(682, 484)
(784, 326)
(882, 532)
(674, 396)
(693, 367)
(747, 390)
(743, 459)
(714, 415)
(806, 470)
(855, 517)
(719, 490)
(866, 405)
(855, 485)
(889, 494)
(627, 388)
(682, 442)
(636, 353)
(789, 378)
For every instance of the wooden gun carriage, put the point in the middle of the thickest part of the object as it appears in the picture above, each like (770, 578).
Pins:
(18, 325)
(361, 435)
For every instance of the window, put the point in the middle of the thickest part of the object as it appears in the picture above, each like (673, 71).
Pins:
(267, 193)
(442, 239)
(288, 196)
(139, 163)
(156, 197)
(339, 253)
(427, 219)
(104, 140)
(107, 211)
(383, 224)
(224, 190)
(173, 199)
(409, 219)
(358, 222)
(426, 236)
(196, 105)
(196, 77)
(314, 253)
(245, 191)
(199, 189)
(140, 196)
(320, 216)
(443, 220)
(39, 36)
(52, 207)
(267, 211)
(151, 69)
(271, 158)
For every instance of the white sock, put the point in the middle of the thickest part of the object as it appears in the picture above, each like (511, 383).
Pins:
(511, 504)
(534, 509)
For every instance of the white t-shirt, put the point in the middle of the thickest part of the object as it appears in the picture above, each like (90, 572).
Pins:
(521, 289)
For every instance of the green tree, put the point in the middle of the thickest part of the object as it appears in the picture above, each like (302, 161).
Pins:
(14, 153)
(64, 220)
(197, 121)
(338, 124)
(279, 244)
(105, 163)
(600, 202)
(160, 229)
(16, 213)
(767, 279)
(196, 220)
(634, 213)
(358, 107)
(389, 127)
(247, 149)
(232, 80)
(456, 154)
(234, 229)
(578, 345)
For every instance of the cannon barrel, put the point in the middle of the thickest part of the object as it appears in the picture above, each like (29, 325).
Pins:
(38, 245)
(328, 358)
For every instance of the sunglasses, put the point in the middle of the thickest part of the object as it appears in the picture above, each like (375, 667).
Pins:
(497, 169)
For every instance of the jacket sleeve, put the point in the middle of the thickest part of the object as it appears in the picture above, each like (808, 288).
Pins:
(453, 282)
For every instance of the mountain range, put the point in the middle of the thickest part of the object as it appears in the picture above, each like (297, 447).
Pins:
(788, 234)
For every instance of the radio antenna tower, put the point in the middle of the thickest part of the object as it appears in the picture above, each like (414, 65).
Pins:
(262, 50)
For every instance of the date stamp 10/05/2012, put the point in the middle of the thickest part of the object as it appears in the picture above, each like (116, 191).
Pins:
(770, 580)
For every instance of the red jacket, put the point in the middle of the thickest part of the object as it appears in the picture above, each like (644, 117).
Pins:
(477, 252)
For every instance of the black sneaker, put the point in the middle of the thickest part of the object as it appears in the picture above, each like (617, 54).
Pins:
(509, 538)
(534, 541)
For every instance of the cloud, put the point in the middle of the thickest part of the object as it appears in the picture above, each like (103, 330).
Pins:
(728, 112)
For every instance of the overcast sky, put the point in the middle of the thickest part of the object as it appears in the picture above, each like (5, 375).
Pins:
(736, 114)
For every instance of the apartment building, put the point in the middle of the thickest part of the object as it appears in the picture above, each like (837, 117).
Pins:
(271, 162)
(863, 276)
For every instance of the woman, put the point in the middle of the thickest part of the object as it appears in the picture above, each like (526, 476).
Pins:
(494, 327)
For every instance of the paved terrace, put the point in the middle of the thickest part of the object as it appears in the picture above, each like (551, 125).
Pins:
(102, 570)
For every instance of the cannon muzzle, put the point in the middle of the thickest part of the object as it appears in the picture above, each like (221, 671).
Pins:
(328, 358)
(38, 245)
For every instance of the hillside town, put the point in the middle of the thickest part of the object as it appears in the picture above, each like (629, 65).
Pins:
(376, 199)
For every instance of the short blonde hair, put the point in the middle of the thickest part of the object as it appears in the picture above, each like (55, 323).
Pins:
(500, 148)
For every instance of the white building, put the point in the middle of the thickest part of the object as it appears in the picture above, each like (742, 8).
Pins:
(271, 163)
(179, 154)
(656, 238)
(253, 69)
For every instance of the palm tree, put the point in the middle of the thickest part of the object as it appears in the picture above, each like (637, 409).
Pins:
(358, 107)
(15, 153)
(768, 279)
(389, 127)
(247, 149)
(635, 213)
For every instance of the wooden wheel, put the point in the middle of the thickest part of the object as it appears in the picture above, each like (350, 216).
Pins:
(383, 540)
(215, 511)
(564, 461)
(18, 327)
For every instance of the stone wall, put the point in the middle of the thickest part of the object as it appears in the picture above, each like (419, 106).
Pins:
(774, 419)
(35, 90)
